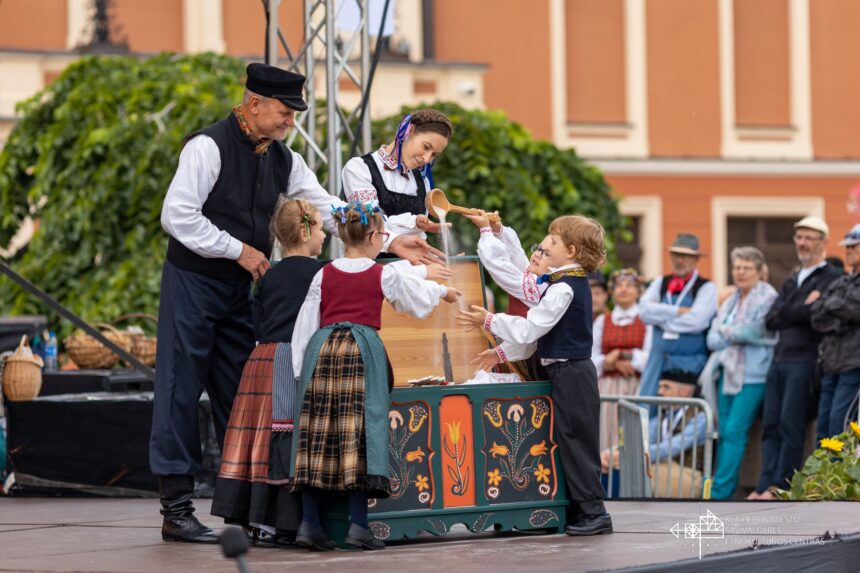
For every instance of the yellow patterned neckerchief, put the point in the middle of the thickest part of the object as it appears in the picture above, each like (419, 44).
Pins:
(261, 143)
(557, 275)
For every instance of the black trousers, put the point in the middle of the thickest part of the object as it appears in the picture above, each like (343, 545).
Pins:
(205, 336)
(786, 403)
(577, 427)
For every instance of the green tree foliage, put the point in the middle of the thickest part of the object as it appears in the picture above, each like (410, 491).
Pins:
(91, 159)
(94, 154)
(493, 163)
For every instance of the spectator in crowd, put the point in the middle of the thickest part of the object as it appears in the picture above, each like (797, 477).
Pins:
(676, 432)
(680, 307)
(789, 387)
(745, 351)
(599, 293)
(620, 351)
(836, 315)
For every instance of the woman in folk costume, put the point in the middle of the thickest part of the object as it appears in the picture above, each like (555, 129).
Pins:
(621, 346)
(341, 439)
(252, 488)
(398, 175)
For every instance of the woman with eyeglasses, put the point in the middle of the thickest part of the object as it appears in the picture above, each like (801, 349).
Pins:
(837, 315)
(620, 351)
(398, 176)
(744, 348)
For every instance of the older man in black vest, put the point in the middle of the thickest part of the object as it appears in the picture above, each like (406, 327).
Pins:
(217, 211)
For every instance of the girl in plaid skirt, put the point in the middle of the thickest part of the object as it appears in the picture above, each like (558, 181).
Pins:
(341, 439)
(252, 488)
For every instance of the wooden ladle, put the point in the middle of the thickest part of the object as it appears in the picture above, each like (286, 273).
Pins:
(437, 201)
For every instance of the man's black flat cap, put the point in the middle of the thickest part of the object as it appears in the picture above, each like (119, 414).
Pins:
(269, 81)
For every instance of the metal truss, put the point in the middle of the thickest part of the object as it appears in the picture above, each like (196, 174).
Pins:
(325, 134)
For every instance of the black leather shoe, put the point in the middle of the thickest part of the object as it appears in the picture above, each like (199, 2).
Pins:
(313, 537)
(180, 524)
(186, 528)
(362, 538)
(590, 525)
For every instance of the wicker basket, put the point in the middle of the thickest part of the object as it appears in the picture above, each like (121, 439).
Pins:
(87, 352)
(142, 345)
(22, 374)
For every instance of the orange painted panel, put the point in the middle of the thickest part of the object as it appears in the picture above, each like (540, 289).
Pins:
(835, 70)
(762, 62)
(596, 78)
(458, 459)
(683, 78)
(29, 25)
(511, 36)
(151, 26)
(245, 27)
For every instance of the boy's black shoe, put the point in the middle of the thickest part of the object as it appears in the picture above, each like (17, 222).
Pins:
(590, 525)
(362, 538)
(313, 537)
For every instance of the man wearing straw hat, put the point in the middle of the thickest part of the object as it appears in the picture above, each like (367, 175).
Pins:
(680, 307)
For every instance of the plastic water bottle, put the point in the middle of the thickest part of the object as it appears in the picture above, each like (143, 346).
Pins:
(51, 362)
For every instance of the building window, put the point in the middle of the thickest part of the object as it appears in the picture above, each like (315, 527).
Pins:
(773, 236)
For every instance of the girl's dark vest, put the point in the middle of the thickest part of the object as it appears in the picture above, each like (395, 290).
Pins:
(571, 337)
(241, 202)
(396, 203)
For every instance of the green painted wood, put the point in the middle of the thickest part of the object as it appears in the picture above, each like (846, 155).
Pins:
(522, 509)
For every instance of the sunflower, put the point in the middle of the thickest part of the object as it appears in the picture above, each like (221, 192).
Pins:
(856, 427)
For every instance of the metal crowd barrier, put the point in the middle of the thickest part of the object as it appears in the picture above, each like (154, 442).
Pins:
(642, 477)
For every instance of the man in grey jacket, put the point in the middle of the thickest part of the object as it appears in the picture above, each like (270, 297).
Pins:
(837, 316)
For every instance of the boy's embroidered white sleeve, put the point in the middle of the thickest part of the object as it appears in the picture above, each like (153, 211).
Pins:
(503, 271)
(514, 247)
(408, 293)
(511, 352)
(307, 323)
(539, 320)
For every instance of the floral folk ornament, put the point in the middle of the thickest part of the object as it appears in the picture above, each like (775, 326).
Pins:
(306, 221)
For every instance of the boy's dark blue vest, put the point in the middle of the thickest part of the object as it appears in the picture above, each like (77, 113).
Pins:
(571, 337)
(242, 201)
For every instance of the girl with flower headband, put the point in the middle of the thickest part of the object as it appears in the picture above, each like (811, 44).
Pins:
(341, 439)
(620, 351)
(399, 174)
(253, 481)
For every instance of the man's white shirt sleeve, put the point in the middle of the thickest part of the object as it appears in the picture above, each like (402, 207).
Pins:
(182, 213)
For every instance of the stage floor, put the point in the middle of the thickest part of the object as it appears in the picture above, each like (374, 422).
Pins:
(122, 536)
